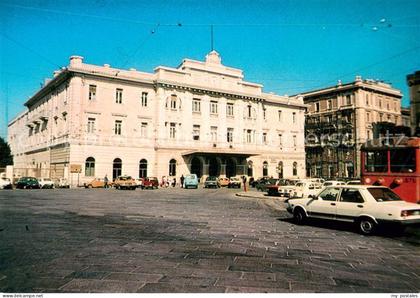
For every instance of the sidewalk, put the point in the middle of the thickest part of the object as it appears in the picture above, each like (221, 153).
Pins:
(276, 203)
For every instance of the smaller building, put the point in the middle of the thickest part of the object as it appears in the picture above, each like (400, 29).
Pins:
(340, 119)
(413, 81)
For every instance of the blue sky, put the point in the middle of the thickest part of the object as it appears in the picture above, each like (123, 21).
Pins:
(288, 46)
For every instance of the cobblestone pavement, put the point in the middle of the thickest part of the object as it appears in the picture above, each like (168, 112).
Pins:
(176, 240)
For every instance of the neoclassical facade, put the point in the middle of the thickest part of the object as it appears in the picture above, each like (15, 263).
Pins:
(200, 117)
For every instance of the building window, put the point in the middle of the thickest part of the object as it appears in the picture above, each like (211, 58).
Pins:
(368, 117)
(380, 102)
(91, 125)
(294, 117)
(329, 104)
(280, 169)
(249, 136)
(348, 99)
(92, 92)
(117, 128)
(172, 167)
(196, 106)
(196, 132)
(294, 141)
(173, 102)
(230, 135)
(172, 130)
(265, 168)
(317, 107)
(213, 107)
(143, 130)
(118, 96)
(229, 109)
(90, 167)
(368, 134)
(295, 168)
(264, 138)
(144, 99)
(213, 133)
(116, 168)
(387, 106)
(280, 140)
(143, 168)
(264, 113)
(249, 109)
(279, 113)
(389, 118)
(381, 116)
(367, 99)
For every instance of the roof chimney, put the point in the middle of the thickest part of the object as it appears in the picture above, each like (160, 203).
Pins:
(76, 60)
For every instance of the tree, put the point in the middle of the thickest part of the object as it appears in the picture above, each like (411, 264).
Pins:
(6, 158)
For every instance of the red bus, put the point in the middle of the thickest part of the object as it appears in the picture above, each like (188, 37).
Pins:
(395, 164)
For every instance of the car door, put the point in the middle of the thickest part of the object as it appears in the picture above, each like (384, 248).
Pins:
(350, 205)
(324, 205)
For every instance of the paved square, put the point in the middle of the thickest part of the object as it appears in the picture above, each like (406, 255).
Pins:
(176, 240)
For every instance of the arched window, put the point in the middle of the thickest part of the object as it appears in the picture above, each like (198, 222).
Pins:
(143, 168)
(172, 167)
(280, 169)
(116, 168)
(265, 168)
(295, 168)
(173, 102)
(90, 167)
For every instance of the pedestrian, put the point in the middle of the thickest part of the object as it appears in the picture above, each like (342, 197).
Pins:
(182, 180)
(106, 181)
(244, 181)
(174, 182)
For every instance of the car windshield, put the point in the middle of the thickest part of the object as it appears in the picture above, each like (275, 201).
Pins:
(211, 178)
(383, 194)
(328, 183)
(190, 177)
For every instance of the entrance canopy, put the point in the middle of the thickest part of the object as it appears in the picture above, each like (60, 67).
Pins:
(220, 152)
(216, 162)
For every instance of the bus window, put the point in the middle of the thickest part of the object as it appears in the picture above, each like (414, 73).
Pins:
(403, 160)
(376, 161)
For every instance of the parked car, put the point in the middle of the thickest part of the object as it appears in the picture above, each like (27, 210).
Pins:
(211, 181)
(191, 181)
(150, 182)
(46, 183)
(97, 183)
(61, 183)
(354, 182)
(263, 183)
(333, 183)
(223, 181)
(306, 188)
(235, 182)
(5, 183)
(139, 182)
(28, 183)
(125, 182)
(365, 205)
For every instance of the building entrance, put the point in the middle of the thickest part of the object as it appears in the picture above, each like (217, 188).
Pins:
(214, 167)
(230, 167)
(196, 167)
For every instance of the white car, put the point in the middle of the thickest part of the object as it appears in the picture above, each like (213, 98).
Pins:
(333, 183)
(61, 183)
(354, 182)
(46, 183)
(139, 182)
(306, 188)
(5, 183)
(365, 205)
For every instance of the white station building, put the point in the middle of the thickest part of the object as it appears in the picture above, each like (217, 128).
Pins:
(200, 117)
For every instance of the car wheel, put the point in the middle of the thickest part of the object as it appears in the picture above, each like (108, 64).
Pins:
(367, 226)
(299, 216)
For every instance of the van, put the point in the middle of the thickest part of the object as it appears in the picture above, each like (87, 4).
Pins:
(191, 180)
